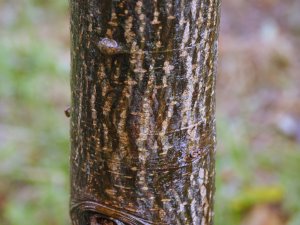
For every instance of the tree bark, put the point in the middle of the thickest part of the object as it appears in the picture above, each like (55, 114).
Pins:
(143, 111)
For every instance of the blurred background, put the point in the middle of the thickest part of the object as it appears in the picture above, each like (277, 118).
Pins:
(258, 113)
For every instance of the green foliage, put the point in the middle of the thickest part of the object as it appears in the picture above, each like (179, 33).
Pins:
(256, 195)
(238, 169)
(290, 178)
(34, 148)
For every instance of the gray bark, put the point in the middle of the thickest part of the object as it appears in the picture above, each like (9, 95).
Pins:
(143, 111)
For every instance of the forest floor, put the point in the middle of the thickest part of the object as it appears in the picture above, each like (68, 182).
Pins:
(258, 113)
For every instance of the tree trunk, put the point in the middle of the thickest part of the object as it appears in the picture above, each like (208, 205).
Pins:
(143, 111)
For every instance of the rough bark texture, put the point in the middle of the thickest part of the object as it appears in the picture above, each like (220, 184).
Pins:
(142, 114)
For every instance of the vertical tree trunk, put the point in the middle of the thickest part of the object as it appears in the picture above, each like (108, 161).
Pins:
(142, 115)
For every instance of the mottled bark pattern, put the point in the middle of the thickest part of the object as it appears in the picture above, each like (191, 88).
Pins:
(142, 114)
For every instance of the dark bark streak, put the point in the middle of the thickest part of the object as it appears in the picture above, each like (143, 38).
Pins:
(143, 104)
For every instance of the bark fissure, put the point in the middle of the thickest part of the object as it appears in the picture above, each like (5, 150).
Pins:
(142, 118)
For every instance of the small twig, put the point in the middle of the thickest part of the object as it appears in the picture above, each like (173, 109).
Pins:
(68, 111)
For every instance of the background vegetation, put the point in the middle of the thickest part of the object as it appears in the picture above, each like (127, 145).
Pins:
(258, 104)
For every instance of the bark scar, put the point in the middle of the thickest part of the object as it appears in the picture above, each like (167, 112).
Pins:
(82, 208)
